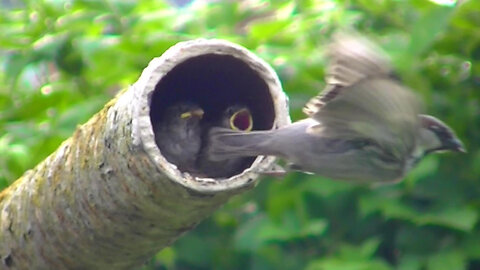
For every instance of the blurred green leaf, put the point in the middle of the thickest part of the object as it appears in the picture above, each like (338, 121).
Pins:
(447, 261)
(427, 167)
(246, 237)
(194, 251)
(262, 231)
(459, 218)
(456, 218)
(325, 187)
(409, 262)
(363, 251)
(427, 28)
(61, 61)
(471, 245)
(337, 264)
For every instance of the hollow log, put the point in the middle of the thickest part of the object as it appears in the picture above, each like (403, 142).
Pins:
(107, 198)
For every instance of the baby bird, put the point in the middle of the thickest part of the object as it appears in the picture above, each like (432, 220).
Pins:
(179, 135)
(235, 117)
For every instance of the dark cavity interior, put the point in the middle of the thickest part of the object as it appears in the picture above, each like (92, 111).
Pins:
(215, 82)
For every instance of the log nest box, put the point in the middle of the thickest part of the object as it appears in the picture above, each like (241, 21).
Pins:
(214, 74)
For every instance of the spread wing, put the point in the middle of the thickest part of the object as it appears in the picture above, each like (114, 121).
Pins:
(378, 109)
(351, 58)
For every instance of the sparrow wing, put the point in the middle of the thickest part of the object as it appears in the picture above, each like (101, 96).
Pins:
(380, 110)
(352, 58)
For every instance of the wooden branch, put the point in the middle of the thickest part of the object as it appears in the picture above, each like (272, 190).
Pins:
(107, 198)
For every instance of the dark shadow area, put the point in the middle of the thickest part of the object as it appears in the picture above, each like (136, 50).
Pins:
(215, 82)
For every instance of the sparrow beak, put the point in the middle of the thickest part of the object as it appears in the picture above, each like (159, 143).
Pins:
(241, 120)
(194, 113)
(456, 145)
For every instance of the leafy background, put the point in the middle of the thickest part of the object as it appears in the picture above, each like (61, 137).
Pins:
(62, 60)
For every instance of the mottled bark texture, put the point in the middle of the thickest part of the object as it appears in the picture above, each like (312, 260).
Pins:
(107, 198)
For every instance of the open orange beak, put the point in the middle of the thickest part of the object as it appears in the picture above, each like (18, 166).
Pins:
(241, 120)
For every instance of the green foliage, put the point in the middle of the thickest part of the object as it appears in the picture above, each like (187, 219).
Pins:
(62, 60)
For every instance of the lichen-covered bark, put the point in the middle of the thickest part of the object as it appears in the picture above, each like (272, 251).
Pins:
(107, 199)
(96, 203)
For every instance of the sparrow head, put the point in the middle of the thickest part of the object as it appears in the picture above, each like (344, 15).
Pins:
(436, 136)
(238, 118)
